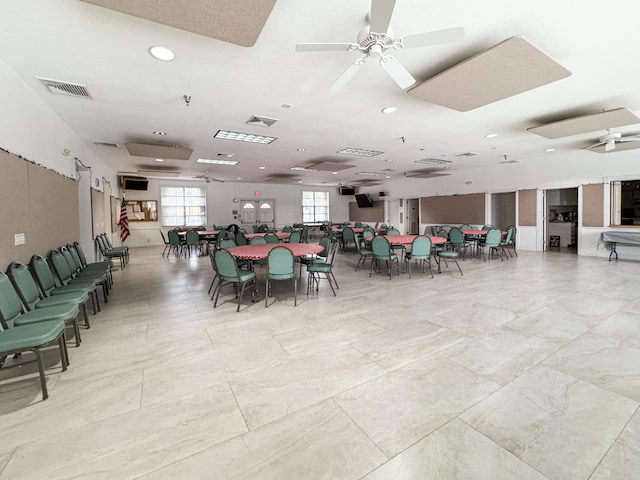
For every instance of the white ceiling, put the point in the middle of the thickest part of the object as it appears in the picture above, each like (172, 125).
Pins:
(135, 94)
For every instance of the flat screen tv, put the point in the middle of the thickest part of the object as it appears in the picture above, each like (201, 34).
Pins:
(364, 200)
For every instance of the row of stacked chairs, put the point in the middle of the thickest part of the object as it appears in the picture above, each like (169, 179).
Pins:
(41, 301)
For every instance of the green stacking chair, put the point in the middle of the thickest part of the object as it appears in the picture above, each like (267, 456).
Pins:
(493, 243)
(287, 229)
(382, 251)
(315, 269)
(348, 236)
(12, 310)
(363, 252)
(65, 274)
(46, 280)
(32, 338)
(109, 254)
(98, 267)
(100, 276)
(123, 248)
(107, 264)
(271, 237)
(325, 243)
(421, 252)
(280, 266)
(296, 236)
(31, 296)
(229, 273)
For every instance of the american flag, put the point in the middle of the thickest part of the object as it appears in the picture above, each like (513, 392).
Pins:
(123, 222)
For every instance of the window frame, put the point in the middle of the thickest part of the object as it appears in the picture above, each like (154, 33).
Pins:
(184, 205)
(316, 217)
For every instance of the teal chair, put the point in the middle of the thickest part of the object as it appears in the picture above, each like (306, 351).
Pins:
(193, 240)
(257, 241)
(325, 243)
(509, 242)
(458, 242)
(420, 252)
(65, 276)
(32, 338)
(492, 243)
(295, 237)
(271, 237)
(241, 239)
(287, 229)
(382, 251)
(363, 252)
(31, 297)
(281, 266)
(44, 276)
(175, 243)
(228, 272)
(76, 253)
(109, 254)
(12, 310)
(348, 236)
(123, 248)
(98, 275)
(316, 269)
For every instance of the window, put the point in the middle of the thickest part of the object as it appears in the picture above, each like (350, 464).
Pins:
(625, 202)
(315, 207)
(183, 206)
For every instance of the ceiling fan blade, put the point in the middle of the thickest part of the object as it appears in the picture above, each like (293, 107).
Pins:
(325, 47)
(347, 75)
(381, 11)
(595, 145)
(397, 71)
(437, 37)
(610, 145)
(631, 138)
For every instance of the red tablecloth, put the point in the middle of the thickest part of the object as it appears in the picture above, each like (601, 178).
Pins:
(475, 232)
(408, 239)
(259, 252)
(202, 233)
(281, 235)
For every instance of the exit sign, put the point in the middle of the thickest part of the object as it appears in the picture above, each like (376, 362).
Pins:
(258, 193)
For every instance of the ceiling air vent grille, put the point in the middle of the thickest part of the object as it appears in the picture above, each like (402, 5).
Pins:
(106, 144)
(261, 121)
(66, 88)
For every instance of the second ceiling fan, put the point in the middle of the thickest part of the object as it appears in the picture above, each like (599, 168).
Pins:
(377, 40)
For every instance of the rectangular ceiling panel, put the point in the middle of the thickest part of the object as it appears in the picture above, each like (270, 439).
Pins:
(509, 68)
(618, 117)
(158, 151)
(233, 21)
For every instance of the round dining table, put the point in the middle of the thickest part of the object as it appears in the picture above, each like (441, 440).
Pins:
(261, 251)
(408, 239)
(280, 235)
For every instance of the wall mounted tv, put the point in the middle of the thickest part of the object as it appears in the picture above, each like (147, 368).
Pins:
(364, 200)
(133, 183)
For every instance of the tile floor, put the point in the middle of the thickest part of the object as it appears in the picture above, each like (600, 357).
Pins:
(523, 369)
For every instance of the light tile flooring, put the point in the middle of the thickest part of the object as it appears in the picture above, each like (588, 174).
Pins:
(522, 369)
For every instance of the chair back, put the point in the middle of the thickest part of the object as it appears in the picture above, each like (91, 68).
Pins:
(392, 231)
(80, 252)
(164, 240)
(421, 247)
(255, 228)
(358, 225)
(257, 241)
(280, 263)
(380, 247)
(443, 234)
(333, 248)
(493, 238)
(106, 240)
(488, 227)
(73, 266)
(193, 237)
(287, 229)
(456, 237)
(41, 270)
(24, 284)
(325, 243)
(357, 241)
(60, 266)
(102, 246)
(466, 226)
(241, 239)
(227, 243)
(174, 238)
(76, 258)
(201, 228)
(10, 304)
(271, 237)
(509, 237)
(295, 237)
(368, 232)
(226, 265)
(347, 235)
(263, 228)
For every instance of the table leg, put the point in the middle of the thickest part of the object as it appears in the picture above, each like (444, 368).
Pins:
(613, 250)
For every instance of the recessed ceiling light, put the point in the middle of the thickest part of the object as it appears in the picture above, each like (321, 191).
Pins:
(389, 160)
(239, 178)
(162, 53)
(550, 150)
(491, 135)
(159, 159)
(387, 176)
(334, 173)
(159, 132)
(359, 151)
(262, 168)
(389, 109)
(215, 161)
(243, 137)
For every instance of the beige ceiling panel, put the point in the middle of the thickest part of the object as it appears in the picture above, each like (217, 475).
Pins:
(233, 21)
(618, 117)
(425, 174)
(509, 68)
(620, 146)
(158, 151)
(330, 166)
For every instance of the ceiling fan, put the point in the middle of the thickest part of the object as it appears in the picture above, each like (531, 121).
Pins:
(207, 178)
(377, 39)
(611, 138)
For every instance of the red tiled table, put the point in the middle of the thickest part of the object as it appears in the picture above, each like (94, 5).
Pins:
(281, 235)
(260, 252)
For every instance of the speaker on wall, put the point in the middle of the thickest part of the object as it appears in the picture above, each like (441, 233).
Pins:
(133, 183)
(345, 190)
(382, 194)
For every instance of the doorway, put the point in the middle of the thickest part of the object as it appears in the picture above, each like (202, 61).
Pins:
(503, 209)
(413, 217)
(561, 220)
(257, 212)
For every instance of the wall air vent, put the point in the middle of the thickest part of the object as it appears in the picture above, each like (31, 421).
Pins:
(65, 88)
(261, 121)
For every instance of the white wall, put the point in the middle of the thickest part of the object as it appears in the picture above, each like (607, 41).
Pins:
(220, 204)
(29, 128)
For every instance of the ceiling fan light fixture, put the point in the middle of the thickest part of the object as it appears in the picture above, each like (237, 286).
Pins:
(159, 159)
(491, 135)
(161, 53)
(389, 109)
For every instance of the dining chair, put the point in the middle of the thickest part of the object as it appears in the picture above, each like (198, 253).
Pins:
(493, 243)
(122, 248)
(382, 251)
(97, 275)
(348, 237)
(229, 273)
(33, 338)
(66, 273)
(12, 310)
(421, 252)
(447, 255)
(364, 252)
(80, 261)
(320, 257)
(295, 236)
(316, 269)
(457, 241)
(193, 240)
(241, 239)
(401, 249)
(108, 254)
(287, 229)
(271, 237)
(510, 241)
(175, 243)
(165, 241)
(280, 266)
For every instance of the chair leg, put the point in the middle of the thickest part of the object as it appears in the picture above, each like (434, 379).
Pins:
(266, 294)
(43, 380)
(241, 294)
(85, 316)
(295, 291)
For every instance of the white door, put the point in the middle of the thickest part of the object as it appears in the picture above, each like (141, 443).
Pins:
(257, 212)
